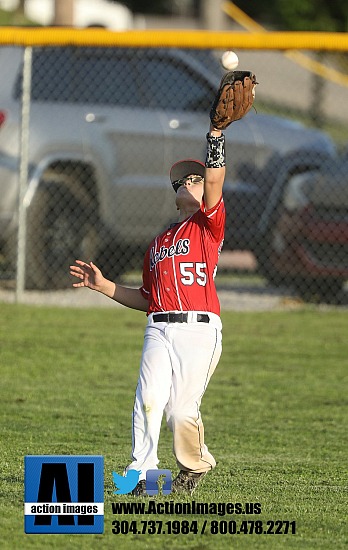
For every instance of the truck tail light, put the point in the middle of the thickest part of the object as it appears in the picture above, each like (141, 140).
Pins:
(2, 117)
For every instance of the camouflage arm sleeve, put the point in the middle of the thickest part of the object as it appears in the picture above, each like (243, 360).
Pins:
(215, 155)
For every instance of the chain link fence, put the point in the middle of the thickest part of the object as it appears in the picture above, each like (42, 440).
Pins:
(88, 135)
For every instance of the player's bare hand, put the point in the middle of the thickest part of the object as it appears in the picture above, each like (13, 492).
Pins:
(89, 274)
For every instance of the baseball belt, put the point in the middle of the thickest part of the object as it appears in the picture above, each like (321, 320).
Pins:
(178, 318)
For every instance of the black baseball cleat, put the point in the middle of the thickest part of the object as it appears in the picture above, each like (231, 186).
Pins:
(186, 482)
(140, 489)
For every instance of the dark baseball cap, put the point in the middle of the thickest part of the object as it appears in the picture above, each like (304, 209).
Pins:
(186, 167)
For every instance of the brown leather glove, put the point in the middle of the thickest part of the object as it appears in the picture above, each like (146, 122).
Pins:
(234, 98)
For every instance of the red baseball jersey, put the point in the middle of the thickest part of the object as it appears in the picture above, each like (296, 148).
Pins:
(180, 264)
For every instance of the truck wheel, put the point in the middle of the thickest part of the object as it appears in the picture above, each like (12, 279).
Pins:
(330, 290)
(59, 230)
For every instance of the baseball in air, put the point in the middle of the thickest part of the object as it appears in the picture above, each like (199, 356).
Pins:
(229, 61)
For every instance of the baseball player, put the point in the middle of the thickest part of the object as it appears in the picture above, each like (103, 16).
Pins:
(182, 343)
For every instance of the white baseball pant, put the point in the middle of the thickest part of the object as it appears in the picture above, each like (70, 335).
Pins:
(177, 362)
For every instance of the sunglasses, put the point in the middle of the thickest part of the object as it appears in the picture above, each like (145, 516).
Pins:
(194, 179)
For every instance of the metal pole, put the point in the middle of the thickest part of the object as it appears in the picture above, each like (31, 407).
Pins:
(64, 12)
(212, 15)
(23, 172)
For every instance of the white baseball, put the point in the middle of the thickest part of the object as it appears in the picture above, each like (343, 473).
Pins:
(229, 61)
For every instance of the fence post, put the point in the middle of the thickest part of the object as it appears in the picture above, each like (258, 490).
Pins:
(318, 88)
(212, 14)
(23, 172)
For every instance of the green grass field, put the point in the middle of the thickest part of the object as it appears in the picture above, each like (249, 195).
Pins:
(275, 416)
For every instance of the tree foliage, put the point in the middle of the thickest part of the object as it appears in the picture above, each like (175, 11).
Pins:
(162, 7)
(299, 15)
(296, 15)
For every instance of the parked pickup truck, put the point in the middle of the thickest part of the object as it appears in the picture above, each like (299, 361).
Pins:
(105, 127)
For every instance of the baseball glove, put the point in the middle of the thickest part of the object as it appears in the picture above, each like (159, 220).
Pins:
(234, 98)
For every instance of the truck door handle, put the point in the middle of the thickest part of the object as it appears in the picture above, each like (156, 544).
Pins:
(92, 117)
(174, 124)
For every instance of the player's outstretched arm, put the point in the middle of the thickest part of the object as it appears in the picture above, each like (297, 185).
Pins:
(233, 101)
(215, 171)
(90, 276)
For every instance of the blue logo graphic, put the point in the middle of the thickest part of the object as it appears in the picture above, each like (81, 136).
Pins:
(158, 481)
(63, 494)
(125, 484)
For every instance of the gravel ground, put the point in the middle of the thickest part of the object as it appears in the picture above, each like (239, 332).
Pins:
(237, 299)
(233, 297)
